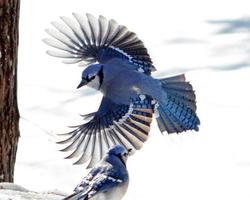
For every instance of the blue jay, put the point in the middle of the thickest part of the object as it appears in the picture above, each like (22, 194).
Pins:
(120, 67)
(108, 180)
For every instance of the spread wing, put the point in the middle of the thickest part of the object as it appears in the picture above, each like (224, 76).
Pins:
(112, 124)
(90, 40)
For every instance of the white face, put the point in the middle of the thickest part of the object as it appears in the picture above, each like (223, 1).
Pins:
(95, 83)
(124, 156)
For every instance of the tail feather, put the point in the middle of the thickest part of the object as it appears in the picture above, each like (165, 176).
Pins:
(179, 87)
(177, 109)
(76, 196)
(178, 78)
(165, 122)
(186, 97)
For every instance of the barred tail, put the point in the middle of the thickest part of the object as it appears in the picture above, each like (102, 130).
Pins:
(177, 110)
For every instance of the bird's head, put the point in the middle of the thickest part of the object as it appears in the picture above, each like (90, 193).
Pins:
(120, 152)
(92, 76)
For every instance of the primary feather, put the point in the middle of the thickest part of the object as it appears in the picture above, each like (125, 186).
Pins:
(97, 40)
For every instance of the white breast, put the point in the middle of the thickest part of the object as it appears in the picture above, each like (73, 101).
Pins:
(113, 194)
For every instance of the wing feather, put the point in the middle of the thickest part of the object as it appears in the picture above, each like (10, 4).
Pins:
(111, 124)
(94, 39)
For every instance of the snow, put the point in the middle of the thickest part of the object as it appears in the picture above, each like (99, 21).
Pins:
(10, 191)
(182, 36)
(16, 195)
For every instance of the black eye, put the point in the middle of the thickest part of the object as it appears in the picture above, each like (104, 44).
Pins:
(91, 78)
(125, 154)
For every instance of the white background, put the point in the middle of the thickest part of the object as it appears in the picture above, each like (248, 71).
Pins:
(213, 163)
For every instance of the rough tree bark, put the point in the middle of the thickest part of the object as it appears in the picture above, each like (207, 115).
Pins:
(9, 115)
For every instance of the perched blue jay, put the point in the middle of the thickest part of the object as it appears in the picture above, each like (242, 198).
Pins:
(108, 180)
(120, 67)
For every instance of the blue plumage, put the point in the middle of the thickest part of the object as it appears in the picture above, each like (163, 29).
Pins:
(107, 53)
(177, 113)
(108, 180)
(120, 67)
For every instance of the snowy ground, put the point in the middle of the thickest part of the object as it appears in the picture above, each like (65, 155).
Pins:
(208, 40)
(10, 191)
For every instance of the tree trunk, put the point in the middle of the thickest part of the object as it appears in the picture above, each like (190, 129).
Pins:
(9, 115)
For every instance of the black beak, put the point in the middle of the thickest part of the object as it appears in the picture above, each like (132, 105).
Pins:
(83, 82)
(130, 151)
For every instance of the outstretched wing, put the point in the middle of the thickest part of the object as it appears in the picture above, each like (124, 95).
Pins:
(112, 124)
(92, 40)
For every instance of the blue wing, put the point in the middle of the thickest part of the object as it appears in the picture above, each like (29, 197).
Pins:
(112, 124)
(84, 188)
(101, 182)
(92, 40)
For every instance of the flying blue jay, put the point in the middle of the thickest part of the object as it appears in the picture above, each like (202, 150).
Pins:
(108, 180)
(120, 67)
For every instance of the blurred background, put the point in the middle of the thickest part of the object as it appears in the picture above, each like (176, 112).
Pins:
(207, 40)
